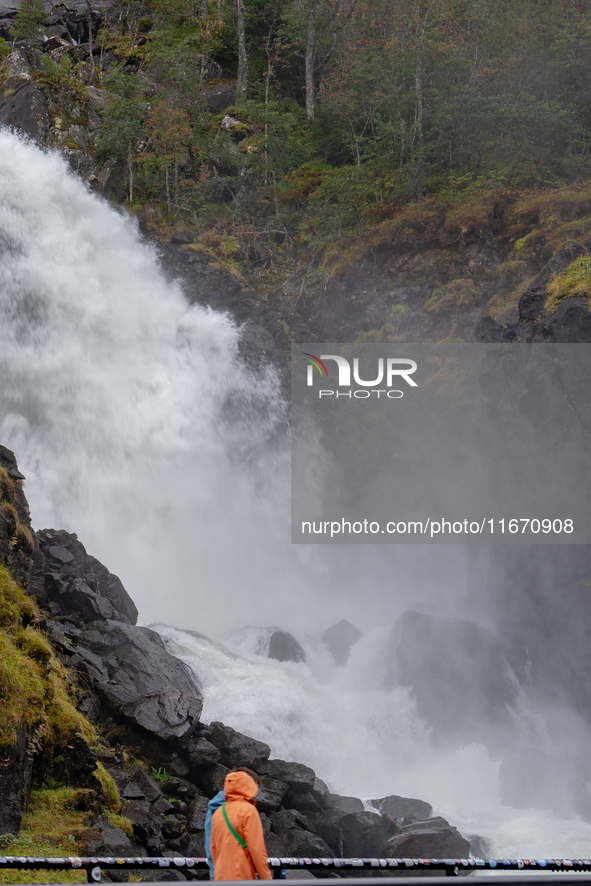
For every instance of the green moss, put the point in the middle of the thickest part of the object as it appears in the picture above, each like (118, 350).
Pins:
(121, 821)
(574, 282)
(453, 296)
(112, 798)
(50, 826)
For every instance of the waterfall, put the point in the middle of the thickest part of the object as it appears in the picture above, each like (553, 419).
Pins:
(138, 427)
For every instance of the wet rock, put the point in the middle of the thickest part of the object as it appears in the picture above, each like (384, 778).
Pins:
(297, 776)
(336, 806)
(237, 749)
(339, 638)
(211, 778)
(180, 788)
(137, 662)
(294, 831)
(197, 813)
(64, 555)
(74, 595)
(102, 838)
(139, 812)
(201, 751)
(571, 322)
(16, 768)
(168, 713)
(403, 808)
(147, 785)
(181, 237)
(271, 793)
(434, 838)
(284, 647)
(364, 834)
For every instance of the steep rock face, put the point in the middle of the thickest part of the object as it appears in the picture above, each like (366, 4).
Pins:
(434, 838)
(64, 572)
(340, 638)
(16, 767)
(459, 675)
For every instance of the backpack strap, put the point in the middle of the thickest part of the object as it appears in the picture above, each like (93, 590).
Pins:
(233, 829)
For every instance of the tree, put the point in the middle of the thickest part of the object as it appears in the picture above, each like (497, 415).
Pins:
(325, 17)
(30, 21)
(242, 79)
(168, 145)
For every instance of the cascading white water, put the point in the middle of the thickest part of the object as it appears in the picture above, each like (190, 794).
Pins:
(363, 740)
(138, 427)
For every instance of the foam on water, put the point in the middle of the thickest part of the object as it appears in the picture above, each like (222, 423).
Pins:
(363, 740)
(138, 427)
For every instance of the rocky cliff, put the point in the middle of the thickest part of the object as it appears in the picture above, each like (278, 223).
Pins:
(139, 747)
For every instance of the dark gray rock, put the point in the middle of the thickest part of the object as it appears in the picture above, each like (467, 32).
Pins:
(297, 776)
(74, 595)
(364, 834)
(25, 109)
(295, 833)
(57, 545)
(210, 778)
(339, 638)
(182, 237)
(16, 768)
(168, 713)
(237, 749)
(102, 838)
(180, 789)
(307, 802)
(147, 785)
(490, 331)
(336, 806)
(284, 647)
(459, 675)
(137, 662)
(132, 792)
(403, 808)
(434, 838)
(139, 812)
(197, 813)
(571, 322)
(271, 794)
(201, 751)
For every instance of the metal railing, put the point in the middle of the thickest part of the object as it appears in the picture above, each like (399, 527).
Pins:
(451, 866)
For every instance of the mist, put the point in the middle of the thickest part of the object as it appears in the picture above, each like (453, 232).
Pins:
(139, 427)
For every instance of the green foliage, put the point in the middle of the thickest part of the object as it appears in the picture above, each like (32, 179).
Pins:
(574, 282)
(30, 21)
(123, 119)
(160, 774)
(453, 296)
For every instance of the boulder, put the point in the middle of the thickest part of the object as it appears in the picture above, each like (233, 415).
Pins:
(168, 713)
(459, 676)
(336, 806)
(403, 809)
(434, 838)
(137, 663)
(339, 638)
(572, 321)
(147, 785)
(364, 834)
(102, 838)
(180, 789)
(65, 555)
(201, 751)
(211, 778)
(237, 749)
(197, 813)
(271, 794)
(297, 776)
(293, 829)
(284, 647)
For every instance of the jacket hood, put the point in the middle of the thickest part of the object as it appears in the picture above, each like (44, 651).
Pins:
(240, 786)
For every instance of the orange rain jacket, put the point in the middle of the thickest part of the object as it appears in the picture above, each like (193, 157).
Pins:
(230, 860)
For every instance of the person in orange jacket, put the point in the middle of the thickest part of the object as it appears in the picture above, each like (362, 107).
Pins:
(237, 844)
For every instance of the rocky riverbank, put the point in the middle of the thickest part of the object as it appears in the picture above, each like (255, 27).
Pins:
(164, 762)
